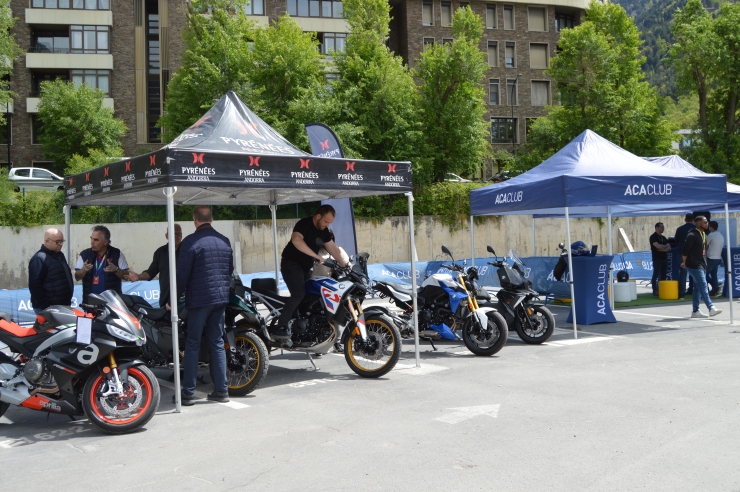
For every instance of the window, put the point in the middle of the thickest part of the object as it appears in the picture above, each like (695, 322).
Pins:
(71, 4)
(512, 92)
(537, 56)
(96, 79)
(537, 19)
(446, 40)
(503, 130)
(89, 39)
(50, 41)
(528, 122)
(257, 7)
(540, 93)
(23, 173)
(464, 4)
(446, 13)
(307, 8)
(508, 17)
(332, 41)
(37, 78)
(428, 43)
(6, 130)
(41, 174)
(427, 13)
(510, 54)
(564, 21)
(36, 129)
(493, 98)
(490, 16)
(493, 53)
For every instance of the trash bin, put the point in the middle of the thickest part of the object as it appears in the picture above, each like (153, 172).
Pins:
(622, 292)
(668, 289)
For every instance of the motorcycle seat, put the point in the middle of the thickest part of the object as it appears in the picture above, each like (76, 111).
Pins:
(405, 288)
(16, 330)
(156, 314)
(267, 287)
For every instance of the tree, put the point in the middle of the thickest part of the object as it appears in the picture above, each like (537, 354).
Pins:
(76, 122)
(452, 108)
(9, 51)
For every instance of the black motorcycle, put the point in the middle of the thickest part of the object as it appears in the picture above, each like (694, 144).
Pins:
(247, 358)
(534, 323)
(104, 377)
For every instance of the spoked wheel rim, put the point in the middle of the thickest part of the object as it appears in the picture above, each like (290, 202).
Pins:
(539, 321)
(383, 340)
(487, 336)
(126, 408)
(242, 372)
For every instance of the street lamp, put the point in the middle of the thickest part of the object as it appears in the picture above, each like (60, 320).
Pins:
(511, 100)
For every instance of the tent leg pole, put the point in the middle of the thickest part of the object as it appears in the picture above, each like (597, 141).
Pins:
(534, 237)
(728, 269)
(170, 194)
(410, 197)
(570, 273)
(472, 242)
(273, 212)
(67, 227)
(611, 264)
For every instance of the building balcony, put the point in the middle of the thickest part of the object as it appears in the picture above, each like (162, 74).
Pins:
(260, 20)
(68, 17)
(69, 61)
(322, 24)
(32, 104)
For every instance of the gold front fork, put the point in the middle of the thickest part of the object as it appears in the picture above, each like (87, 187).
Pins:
(472, 301)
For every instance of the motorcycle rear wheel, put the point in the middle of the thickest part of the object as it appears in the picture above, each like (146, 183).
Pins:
(253, 369)
(381, 331)
(487, 342)
(142, 386)
(544, 323)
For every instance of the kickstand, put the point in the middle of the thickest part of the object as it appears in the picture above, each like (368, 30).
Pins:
(432, 342)
(73, 418)
(312, 362)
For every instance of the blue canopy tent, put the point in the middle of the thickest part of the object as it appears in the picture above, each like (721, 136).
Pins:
(592, 177)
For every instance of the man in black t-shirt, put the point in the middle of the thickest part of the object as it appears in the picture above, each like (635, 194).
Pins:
(298, 259)
(680, 237)
(659, 248)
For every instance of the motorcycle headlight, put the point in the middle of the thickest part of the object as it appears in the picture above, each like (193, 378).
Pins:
(122, 334)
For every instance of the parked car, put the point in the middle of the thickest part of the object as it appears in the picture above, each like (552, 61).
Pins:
(454, 178)
(35, 178)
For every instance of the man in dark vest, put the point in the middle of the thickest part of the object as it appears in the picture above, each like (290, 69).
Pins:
(101, 267)
(160, 266)
(49, 275)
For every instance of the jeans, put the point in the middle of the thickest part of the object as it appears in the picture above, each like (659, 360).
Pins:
(701, 291)
(295, 278)
(682, 283)
(212, 319)
(712, 279)
(660, 270)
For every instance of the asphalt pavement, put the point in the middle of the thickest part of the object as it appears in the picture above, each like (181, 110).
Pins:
(649, 403)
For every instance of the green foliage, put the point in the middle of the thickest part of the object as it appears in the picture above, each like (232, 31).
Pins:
(75, 122)
(683, 113)
(32, 208)
(9, 50)
(452, 99)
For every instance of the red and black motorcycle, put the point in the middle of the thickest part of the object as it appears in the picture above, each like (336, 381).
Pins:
(103, 376)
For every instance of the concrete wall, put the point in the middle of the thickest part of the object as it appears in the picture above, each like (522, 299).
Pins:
(386, 240)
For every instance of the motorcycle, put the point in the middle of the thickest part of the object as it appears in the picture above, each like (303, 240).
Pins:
(534, 323)
(247, 358)
(332, 312)
(446, 305)
(103, 377)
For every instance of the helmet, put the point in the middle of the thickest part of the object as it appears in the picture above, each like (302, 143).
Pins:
(622, 276)
(579, 248)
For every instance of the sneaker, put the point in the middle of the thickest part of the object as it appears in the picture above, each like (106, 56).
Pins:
(698, 314)
(714, 311)
(186, 400)
(280, 332)
(219, 396)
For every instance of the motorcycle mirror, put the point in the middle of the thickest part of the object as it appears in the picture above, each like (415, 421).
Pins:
(490, 250)
(446, 251)
(465, 262)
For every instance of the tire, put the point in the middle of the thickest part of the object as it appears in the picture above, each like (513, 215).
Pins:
(489, 342)
(544, 322)
(144, 391)
(383, 358)
(254, 360)
(3, 408)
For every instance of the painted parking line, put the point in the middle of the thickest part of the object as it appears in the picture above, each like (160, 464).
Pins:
(462, 414)
(578, 341)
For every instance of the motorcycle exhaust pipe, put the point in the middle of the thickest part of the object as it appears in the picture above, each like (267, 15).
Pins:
(46, 391)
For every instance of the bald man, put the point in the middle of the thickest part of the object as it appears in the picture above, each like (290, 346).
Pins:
(49, 276)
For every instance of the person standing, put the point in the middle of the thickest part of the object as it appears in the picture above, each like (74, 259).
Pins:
(297, 262)
(715, 243)
(694, 255)
(101, 267)
(680, 237)
(160, 266)
(49, 276)
(659, 248)
(204, 273)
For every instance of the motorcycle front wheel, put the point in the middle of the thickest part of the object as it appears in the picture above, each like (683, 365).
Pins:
(247, 368)
(543, 325)
(380, 353)
(120, 414)
(486, 340)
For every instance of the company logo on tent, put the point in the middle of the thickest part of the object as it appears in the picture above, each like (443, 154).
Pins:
(324, 144)
(105, 172)
(152, 160)
(649, 190)
(304, 163)
(87, 176)
(254, 161)
(197, 124)
(249, 128)
(198, 158)
(516, 196)
(71, 181)
(350, 166)
(128, 166)
(392, 168)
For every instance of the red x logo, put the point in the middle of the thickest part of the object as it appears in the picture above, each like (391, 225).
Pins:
(87, 176)
(325, 144)
(71, 181)
(105, 172)
(304, 163)
(198, 158)
(254, 161)
(392, 168)
(197, 124)
(350, 166)
(152, 160)
(128, 166)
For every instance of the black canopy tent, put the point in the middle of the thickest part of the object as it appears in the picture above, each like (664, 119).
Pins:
(231, 157)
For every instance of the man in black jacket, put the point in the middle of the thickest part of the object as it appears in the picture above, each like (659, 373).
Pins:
(49, 275)
(680, 237)
(160, 266)
(694, 255)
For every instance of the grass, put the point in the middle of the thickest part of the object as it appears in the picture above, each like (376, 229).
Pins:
(649, 299)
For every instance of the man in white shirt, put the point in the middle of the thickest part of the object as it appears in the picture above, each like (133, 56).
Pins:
(715, 243)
